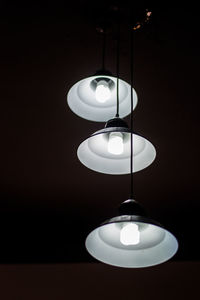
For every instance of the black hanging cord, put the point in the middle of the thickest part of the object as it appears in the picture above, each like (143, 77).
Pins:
(117, 64)
(104, 48)
(131, 116)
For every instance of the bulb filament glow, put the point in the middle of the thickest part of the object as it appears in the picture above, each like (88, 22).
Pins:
(115, 143)
(130, 235)
(102, 92)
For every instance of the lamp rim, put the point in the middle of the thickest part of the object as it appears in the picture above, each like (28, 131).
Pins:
(131, 219)
(111, 129)
(115, 129)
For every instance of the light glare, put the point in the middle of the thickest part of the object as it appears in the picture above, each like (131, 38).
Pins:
(115, 143)
(102, 92)
(130, 235)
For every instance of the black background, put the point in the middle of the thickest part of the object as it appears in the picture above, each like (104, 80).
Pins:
(49, 202)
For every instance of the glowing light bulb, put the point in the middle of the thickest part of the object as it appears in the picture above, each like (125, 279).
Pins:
(102, 92)
(130, 234)
(115, 143)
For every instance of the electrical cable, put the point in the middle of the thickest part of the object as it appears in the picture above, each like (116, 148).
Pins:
(131, 116)
(117, 64)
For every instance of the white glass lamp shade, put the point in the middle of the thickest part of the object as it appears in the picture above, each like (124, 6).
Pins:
(94, 98)
(97, 154)
(154, 245)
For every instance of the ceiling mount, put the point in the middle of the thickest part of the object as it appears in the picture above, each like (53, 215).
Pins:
(103, 15)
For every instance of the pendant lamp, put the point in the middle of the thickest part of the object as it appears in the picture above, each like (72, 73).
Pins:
(131, 240)
(108, 150)
(94, 98)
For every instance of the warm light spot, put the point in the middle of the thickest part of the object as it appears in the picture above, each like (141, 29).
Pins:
(149, 13)
(137, 26)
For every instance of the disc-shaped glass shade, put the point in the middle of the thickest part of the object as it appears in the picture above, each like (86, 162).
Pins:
(153, 244)
(96, 151)
(94, 98)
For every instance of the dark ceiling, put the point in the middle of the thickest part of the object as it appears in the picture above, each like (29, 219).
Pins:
(49, 202)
